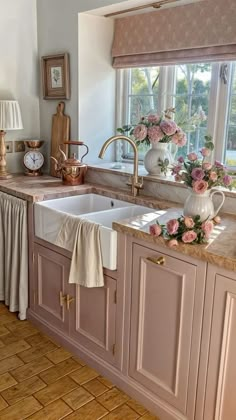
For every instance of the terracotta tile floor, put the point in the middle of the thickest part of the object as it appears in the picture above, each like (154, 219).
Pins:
(39, 380)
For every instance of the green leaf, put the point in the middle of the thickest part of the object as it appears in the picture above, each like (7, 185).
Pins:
(120, 130)
(209, 146)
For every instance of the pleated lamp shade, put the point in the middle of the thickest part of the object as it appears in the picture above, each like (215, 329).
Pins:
(10, 116)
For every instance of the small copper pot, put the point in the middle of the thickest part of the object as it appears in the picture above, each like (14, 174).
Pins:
(72, 170)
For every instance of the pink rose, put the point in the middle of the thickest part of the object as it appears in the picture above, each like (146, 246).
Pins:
(192, 156)
(200, 187)
(181, 159)
(178, 178)
(179, 138)
(219, 165)
(189, 236)
(172, 226)
(206, 166)
(217, 219)
(176, 169)
(155, 134)
(189, 223)
(173, 243)
(227, 180)
(213, 176)
(155, 230)
(140, 132)
(197, 174)
(168, 127)
(207, 228)
(205, 152)
(153, 118)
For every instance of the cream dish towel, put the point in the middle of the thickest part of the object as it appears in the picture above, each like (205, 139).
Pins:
(82, 238)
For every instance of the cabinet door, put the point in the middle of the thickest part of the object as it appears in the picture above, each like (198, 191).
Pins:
(93, 319)
(220, 401)
(51, 271)
(162, 314)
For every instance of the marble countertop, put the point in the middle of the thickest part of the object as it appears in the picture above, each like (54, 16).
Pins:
(220, 250)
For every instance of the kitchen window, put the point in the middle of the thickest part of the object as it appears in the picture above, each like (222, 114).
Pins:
(204, 98)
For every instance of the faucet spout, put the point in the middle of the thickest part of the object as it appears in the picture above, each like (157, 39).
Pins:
(135, 183)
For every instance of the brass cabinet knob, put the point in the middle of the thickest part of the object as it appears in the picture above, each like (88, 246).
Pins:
(69, 300)
(158, 261)
(62, 298)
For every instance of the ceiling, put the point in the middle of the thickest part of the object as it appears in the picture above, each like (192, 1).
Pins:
(127, 4)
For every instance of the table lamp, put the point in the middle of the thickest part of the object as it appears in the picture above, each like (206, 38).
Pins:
(10, 119)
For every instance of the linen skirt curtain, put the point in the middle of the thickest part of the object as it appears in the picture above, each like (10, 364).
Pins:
(14, 254)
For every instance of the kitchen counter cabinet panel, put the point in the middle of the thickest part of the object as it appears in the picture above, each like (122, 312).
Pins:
(166, 319)
(93, 318)
(89, 317)
(51, 273)
(220, 401)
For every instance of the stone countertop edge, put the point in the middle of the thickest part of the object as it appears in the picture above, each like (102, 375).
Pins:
(220, 251)
(218, 255)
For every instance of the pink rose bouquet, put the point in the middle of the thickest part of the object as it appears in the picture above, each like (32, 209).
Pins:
(199, 174)
(154, 128)
(189, 230)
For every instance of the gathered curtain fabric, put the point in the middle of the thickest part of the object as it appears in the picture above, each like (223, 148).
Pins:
(199, 32)
(14, 254)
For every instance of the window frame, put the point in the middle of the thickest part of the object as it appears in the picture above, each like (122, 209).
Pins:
(219, 101)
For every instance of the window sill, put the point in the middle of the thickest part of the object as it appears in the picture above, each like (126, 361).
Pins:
(127, 169)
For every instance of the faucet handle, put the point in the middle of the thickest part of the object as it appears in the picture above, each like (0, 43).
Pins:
(130, 181)
(136, 185)
(140, 182)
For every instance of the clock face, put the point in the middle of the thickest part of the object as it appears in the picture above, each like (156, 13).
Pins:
(33, 160)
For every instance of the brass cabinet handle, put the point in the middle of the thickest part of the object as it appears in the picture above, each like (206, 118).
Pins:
(69, 300)
(158, 261)
(62, 298)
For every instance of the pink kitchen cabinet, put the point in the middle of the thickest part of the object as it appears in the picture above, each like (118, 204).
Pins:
(85, 315)
(163, 329)
(93, 319)
(51, 273)
(167, 293)
(219, 334)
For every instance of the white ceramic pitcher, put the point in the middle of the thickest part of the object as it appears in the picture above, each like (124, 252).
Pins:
(202, 204)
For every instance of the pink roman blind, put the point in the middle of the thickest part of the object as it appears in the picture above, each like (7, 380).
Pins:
(203, 31)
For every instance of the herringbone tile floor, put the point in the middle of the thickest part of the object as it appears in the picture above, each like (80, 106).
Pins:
(39, 380)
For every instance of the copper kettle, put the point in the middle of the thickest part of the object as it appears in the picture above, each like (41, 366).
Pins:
(72, 170)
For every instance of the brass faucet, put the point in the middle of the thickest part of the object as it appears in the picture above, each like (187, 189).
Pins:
(135, 182)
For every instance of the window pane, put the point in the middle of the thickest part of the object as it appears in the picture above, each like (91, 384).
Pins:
(139, 106)
(191, 101)
(230, 153)
(143, 92)
(187, 90)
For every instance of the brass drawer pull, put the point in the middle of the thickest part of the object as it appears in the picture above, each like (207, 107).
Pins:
(62, 299)
(158, 261)
(69, 300)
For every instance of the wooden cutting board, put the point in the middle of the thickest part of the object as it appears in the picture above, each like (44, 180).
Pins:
(60, 133)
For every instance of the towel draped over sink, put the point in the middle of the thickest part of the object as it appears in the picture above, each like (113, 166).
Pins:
(82, 237)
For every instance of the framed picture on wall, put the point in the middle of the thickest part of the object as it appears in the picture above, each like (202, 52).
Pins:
(56, 76)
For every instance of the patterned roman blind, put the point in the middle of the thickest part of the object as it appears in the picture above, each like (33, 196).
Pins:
(200, 31)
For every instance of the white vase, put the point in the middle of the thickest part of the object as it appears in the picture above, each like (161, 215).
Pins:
(202, 204)
(158, 151)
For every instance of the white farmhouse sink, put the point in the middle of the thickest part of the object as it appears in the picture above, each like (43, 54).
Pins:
(48, 217)
(82, 204)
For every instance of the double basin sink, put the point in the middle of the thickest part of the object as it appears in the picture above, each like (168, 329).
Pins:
(49, 215)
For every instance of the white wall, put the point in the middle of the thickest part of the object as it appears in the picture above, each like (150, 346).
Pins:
(58, 32)
(19, 68)
(97, 84)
